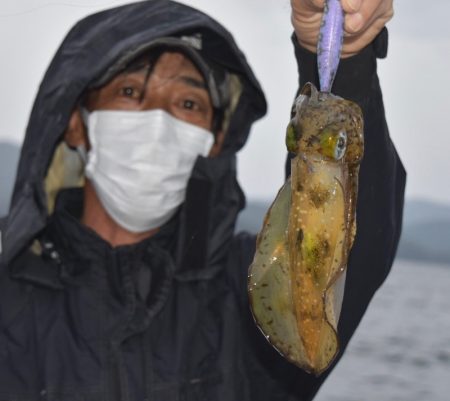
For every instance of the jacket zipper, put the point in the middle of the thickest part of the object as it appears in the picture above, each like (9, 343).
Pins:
(116, 383)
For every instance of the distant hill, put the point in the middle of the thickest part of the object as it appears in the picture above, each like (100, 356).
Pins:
(9, 157)
(426, 232)
(251, 218)
(425, 235)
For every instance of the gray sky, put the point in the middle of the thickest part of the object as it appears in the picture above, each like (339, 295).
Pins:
(414, 78)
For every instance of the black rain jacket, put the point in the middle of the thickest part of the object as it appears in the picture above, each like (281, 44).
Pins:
(166, 319)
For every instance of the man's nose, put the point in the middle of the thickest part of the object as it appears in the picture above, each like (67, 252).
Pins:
(156, 98)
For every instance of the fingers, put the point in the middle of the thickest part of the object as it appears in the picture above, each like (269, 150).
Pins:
(364, 19)
(307, 6)
(354, 23)
(367, 13)
(315, 5)
(351, 6)
(364, 25)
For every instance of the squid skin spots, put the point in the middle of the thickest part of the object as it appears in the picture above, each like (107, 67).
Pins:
(318, 196)
(299, 237)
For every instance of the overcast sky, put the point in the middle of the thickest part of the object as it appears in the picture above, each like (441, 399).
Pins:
(414, 77)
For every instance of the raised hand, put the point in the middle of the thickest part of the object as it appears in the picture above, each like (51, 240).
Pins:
(364, 19)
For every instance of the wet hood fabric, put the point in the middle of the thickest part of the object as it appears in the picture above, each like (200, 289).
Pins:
(91, 46)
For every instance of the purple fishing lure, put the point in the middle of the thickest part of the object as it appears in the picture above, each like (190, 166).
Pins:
(330, 43)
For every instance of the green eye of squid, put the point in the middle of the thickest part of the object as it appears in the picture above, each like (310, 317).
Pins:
(333, 143)
(291, 139)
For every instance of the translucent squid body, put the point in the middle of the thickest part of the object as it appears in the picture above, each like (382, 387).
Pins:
(297, 277)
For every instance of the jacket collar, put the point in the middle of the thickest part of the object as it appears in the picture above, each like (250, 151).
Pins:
(71, 253)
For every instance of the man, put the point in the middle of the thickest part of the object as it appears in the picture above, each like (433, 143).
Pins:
(121, 277)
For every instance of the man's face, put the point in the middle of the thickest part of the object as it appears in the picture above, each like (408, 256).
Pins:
(174, 85)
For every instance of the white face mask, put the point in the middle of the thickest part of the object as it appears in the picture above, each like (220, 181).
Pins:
(140, 163)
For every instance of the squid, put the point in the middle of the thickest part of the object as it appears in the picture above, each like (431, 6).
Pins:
(297, 277)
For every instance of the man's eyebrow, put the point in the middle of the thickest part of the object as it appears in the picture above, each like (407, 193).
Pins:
(194, 82)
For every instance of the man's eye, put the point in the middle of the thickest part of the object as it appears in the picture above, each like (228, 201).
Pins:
(190, 104)
(129, 91)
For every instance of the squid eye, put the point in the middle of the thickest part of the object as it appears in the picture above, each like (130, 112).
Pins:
(333, 143)
(341, 145)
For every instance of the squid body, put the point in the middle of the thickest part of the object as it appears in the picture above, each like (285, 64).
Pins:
(296, 280)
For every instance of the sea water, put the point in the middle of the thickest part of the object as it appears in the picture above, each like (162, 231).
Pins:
(401, 350)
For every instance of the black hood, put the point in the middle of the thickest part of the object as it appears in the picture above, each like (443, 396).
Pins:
(213, 197)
